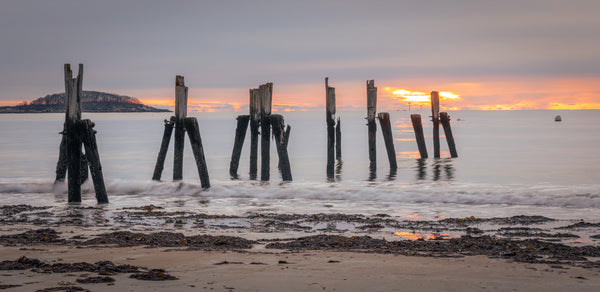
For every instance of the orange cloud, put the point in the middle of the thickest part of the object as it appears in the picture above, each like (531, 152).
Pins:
(481, 93)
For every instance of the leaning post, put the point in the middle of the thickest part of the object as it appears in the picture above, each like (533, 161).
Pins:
(419, 136)
(445, 119)
(386, 130)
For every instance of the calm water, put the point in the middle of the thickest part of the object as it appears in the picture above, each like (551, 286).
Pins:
(510, 162)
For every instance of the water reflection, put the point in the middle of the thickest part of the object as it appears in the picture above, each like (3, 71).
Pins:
(442, 169)
(392, 175)
(372, 172)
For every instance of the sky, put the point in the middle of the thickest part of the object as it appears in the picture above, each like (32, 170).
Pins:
(522, 54)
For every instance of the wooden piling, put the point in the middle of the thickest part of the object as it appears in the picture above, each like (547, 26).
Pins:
(73, 114)
(164, 146)
(280, 136)
(371, 112)
(435, 110)
(63, 160)
(330, 115)
(445, 120)
(338, 140)
(419, 136)
(88, 137)
(180, 113)
(74, 168)
(265, 93)
(254, 126)
(193, 131)
(386, 130)
(240, 135)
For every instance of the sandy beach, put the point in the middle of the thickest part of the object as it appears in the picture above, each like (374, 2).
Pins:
(147, 248)
(302, 271)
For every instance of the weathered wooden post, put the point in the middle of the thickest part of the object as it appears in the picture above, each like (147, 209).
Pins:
(180, 113)
(338, 139)
(265, 93)
(77, 132)
(371, 112)
(435, 110)
(73, 94)
(281, 137)
(191, 126)
(386, 130)
(330, 119)
(88, 137)
(419, 136)
(240, 135)
(260, 116)
(182, 124)
(445, 119)
(254, 126)
(164, 146)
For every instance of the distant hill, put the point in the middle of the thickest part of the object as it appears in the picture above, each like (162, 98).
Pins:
(91, 101)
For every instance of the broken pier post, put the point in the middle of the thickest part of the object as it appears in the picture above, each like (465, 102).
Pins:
(265, 92)
(435, 118)
(445, 120)
(240, 135)
(193, 131)
(77, 132)
(281, 137)
(164, 146)
(386, 130)
(331, 130)
(254, 131)
(371, 112)
(419, 136)
(182, 124)
(180, 113)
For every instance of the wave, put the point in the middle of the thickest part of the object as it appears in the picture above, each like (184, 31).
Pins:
(577, 196)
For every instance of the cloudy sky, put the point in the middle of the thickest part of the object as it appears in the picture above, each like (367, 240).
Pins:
(494, 54)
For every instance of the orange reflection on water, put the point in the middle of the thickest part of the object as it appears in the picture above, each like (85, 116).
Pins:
(408, 235)
(408, 154)
(417, 236)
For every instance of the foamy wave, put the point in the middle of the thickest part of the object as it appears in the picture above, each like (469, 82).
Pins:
(581, 196)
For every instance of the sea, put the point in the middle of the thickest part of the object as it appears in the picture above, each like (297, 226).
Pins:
(509, 163)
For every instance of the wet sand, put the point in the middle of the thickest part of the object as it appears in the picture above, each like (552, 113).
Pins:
(291, 252)
(303, 271)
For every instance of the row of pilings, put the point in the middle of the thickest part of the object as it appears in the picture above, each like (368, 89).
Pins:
(77, 132)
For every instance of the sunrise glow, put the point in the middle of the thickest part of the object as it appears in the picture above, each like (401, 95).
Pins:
(420, 97)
